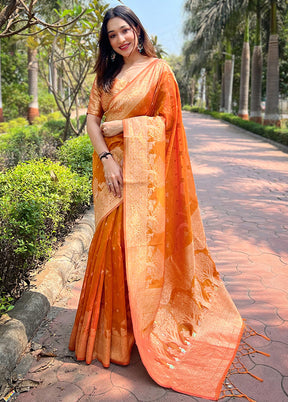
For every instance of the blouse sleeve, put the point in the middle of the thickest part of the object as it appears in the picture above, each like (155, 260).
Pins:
(94, 105)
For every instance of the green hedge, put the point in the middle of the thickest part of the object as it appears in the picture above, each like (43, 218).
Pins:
(19, 145)
(77, 154)
(37, 199)
(23, 143)
(271, 132)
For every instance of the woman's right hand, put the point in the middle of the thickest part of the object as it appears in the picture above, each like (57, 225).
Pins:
(113, 176)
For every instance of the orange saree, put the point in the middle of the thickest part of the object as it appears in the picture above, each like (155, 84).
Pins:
(151, 246)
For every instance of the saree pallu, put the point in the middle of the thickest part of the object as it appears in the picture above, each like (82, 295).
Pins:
(186, 327)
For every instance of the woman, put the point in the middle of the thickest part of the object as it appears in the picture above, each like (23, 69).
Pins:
(149, 239)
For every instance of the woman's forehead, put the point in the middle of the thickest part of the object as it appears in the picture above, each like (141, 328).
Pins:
(116, 23)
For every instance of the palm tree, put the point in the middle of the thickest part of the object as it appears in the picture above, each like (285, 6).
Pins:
(158, 47)
(245, 74)
(215, 20)
(228, 78)
(257, 65)
(272, 80)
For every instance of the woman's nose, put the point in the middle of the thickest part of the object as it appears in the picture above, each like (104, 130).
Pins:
(121, 38)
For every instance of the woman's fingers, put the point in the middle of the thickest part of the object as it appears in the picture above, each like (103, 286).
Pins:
(113, 176)
(115, 186)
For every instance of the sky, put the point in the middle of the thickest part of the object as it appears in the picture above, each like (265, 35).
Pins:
(163, 18)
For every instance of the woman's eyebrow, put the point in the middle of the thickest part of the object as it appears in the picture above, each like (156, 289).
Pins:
(123, 26)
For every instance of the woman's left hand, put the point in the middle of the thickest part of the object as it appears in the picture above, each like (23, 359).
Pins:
(111, 128)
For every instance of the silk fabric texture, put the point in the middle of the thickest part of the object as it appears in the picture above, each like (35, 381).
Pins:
(152, 246)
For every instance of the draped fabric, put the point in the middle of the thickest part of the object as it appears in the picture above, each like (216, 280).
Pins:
(185, 325)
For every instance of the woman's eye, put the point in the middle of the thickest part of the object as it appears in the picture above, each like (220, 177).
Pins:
(112, 36)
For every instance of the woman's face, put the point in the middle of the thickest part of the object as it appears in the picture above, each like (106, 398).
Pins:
(123, 39)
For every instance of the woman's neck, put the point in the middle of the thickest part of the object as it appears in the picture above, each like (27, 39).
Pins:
(134, 58)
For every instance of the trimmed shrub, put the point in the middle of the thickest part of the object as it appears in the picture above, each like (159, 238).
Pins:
(19, 122)
(37, 199)
(20, 144)
(77, 154)
(55, 129)
(38, 120)
(271, 132)
(4, 127)
(54, 116)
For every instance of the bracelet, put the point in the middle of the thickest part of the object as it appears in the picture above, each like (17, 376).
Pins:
(104, 155)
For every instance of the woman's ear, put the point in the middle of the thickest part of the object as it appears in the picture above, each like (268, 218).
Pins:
(138, 30)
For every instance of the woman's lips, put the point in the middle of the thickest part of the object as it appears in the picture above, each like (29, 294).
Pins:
(124, 47)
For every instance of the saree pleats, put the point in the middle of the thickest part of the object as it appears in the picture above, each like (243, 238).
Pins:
(103, 328)
(186, 327)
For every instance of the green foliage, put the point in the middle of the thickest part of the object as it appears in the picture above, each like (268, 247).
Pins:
(16, 97)
(6, 304)
(39, 120)
(4, 127)
(20, 144)
(23, 143)
(271, 132)
(54, 116)
(77, 154)
(54, 128)
(46, 102)
(182, 76)
(18, 122)
(13, 61)
(37, 199)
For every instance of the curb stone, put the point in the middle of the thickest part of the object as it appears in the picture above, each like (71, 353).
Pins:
(18, 326)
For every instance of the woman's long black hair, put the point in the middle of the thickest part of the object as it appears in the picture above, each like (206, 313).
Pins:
(105, 68)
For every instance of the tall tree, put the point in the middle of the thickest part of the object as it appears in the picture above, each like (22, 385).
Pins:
(33, 109)
(228, 78)
(257, 66)
(72, 55)
(272, 116)
(212, 22)
(209, 23)
(245, 74)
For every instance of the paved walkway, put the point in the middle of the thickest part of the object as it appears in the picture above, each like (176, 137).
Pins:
(242, 185)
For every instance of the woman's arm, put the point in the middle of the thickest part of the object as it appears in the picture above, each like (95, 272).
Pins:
(112, 171)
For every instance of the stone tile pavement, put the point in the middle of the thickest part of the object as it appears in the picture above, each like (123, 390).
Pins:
(242, 186)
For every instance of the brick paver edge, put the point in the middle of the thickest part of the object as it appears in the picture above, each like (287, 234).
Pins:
(18, 326)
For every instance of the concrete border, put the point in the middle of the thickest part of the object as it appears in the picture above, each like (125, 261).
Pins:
(18, 326)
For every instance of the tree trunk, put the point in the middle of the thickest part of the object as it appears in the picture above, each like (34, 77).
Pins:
(1, 106)
(272, 85)
(222, 99)
(192, 91)
(257, 66)
(244, 77)
(77, 113)
(272, 116)
(53, 76)
(256, 85)
(228, 84)
(33, 110)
